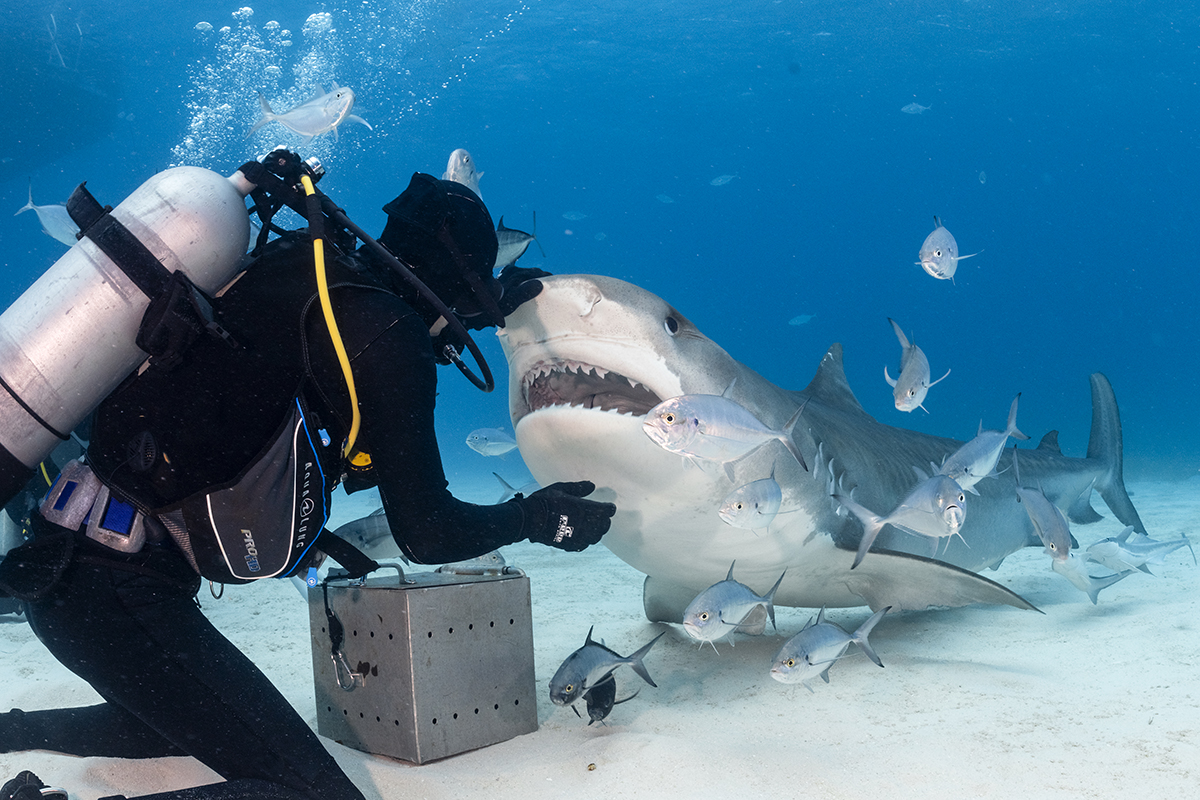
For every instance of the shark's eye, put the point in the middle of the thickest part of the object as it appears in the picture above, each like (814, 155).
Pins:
(672, 325)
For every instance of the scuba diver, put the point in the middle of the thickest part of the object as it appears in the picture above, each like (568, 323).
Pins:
(320, 365)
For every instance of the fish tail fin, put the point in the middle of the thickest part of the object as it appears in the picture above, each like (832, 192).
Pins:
(770, 598)
(900, 331)
(1011, 428)
(268, 114)
(1096, 584)
(872, 525)
(1104, 445)
(635, 660)
(788, 440)
(534, 234)
(859, 637)
(28, 206)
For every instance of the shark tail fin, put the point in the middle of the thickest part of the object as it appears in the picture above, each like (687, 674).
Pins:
(1104, 445)
(859, 637)
(635, 660)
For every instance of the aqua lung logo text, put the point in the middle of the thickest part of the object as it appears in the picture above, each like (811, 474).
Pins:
(307, 506)
(251, 551)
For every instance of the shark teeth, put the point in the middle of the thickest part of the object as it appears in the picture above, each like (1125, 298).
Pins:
(564, 382)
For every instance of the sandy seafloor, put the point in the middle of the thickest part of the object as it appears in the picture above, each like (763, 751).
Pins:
(1083, 701)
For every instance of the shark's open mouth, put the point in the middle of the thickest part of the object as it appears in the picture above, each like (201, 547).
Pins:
(574, 383)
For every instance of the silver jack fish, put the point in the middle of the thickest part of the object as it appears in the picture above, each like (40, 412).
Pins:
(1049, 523)
(56, 222)
(812, 651)
(591, 664)
(754, 505)
(461, 169)
(714, 428)
(910, 388)
(512, 243)
(601, 699)
(491, 441)
(977, 459)
(1120, 553)
(939, 254)
(1072, 568)
(729, 606)
(935, 508)
(323, 113)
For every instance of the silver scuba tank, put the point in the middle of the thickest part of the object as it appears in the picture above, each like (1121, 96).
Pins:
(68, 341)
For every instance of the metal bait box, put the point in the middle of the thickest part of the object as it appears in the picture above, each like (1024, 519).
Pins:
(433, 665)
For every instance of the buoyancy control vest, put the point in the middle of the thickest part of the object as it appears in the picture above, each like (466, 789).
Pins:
(236, 451)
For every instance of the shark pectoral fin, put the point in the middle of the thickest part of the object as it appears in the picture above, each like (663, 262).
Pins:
(664, 601)
(913, 583)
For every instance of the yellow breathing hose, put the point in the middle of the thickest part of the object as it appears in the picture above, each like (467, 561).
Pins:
(331, 323)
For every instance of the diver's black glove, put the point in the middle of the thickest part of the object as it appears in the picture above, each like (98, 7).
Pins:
(520, 285)
(560, 517)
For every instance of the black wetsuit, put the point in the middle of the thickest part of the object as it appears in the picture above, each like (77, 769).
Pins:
(129, 624)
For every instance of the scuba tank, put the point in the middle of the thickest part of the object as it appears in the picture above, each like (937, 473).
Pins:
(71, 338)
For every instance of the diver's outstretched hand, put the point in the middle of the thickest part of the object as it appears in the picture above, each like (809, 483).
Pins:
(559, 516)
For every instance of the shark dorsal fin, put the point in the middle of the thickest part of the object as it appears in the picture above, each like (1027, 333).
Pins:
(830, 386)
(1050, 442)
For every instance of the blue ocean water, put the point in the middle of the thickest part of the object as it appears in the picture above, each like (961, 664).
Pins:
(749, 162)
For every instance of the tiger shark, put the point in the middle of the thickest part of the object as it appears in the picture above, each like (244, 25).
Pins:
(590, 355)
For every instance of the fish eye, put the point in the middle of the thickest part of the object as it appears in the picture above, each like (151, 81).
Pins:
(570, 687)
(672, 325)
(791, 662)
(669, 418)
(937, 253)
(704, 616)
(962, 498)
